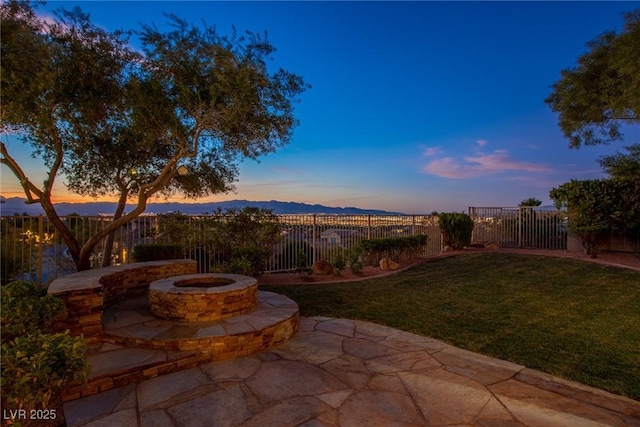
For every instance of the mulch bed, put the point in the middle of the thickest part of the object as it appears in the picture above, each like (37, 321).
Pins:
(622, 259)
(369, 272)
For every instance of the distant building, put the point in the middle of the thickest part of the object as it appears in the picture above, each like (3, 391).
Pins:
(339, 237)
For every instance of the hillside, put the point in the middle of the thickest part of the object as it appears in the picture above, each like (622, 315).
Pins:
(13, 205)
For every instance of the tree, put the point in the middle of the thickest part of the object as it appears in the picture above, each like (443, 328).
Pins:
(116, 121)
(594, 207)
(624, 169)
(603, 89)
(623, 166)
(531, 201)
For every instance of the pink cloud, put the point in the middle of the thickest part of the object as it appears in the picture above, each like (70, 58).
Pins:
(472, 166)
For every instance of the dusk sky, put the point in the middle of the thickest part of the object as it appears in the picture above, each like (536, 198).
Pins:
(414, 106)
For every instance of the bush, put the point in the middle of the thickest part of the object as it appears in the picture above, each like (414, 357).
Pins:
(303, 263)
(228, 239)
(392, 247)
(456, 229)
(353, 259)
(157, 252)
(338, 262)
(252, 256)
(37, 366)
(26, 308)
(595, 208)
(234, 266)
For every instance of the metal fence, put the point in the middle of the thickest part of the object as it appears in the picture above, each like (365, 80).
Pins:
(520, 227)
(32, 249)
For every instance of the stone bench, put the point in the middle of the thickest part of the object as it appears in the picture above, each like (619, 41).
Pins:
(87, 293)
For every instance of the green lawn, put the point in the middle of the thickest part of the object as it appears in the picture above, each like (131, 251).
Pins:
(571, 318)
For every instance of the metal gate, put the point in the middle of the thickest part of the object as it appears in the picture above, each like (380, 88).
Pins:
(520, 227)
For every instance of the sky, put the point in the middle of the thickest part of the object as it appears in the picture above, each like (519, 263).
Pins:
(414, 106)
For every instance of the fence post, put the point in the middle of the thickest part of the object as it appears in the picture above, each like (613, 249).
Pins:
(520, 227)
(40, 248)
(314, 241)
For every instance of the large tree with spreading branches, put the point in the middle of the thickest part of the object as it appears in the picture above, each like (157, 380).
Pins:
(601, 93)
(116, 120)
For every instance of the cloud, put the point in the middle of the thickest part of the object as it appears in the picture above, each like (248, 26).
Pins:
(481, 142)
(431, 151)
(479, 165)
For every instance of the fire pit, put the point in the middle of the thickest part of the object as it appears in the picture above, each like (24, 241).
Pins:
(203, 297)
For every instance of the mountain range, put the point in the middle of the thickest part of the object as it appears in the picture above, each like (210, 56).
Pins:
(17, 205)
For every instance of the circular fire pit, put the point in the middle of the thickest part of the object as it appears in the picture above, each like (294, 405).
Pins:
(203, 297)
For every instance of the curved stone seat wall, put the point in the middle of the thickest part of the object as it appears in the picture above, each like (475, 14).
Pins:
(85, 294)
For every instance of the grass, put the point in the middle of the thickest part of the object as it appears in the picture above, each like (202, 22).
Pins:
(570, 318)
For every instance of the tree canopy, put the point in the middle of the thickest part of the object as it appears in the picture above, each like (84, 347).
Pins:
(598, 207)
(622, 166)
(602, 91)
(119, 121)
(531, 201)
(594, 209)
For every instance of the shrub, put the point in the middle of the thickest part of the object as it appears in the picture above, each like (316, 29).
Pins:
(230, 239)
(37, 366)
(234, 266)
(353, 259)
(253, 256)
(392, 247)
(595, 208)
(303, 262)
(157, 252)
(456, 229)
(26, 308)
(338, 262)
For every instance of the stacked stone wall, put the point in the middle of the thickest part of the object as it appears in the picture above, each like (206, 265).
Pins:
(85, 294)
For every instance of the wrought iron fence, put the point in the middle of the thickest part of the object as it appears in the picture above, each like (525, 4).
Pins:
(520, 227)
(32, 249)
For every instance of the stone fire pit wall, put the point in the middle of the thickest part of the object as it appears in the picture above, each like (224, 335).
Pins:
(203, 297)
(85, 294)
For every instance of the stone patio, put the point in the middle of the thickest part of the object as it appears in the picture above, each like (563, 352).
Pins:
(337, 372)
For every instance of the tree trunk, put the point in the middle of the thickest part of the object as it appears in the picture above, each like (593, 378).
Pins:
(107, 250)
(62, 228)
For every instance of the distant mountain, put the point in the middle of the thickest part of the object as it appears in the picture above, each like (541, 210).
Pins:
(13, 205)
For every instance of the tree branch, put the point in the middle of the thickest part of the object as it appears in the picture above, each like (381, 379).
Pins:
(33, 193)
(53, 172)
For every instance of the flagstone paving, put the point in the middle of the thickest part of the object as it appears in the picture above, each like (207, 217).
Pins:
(338, 372)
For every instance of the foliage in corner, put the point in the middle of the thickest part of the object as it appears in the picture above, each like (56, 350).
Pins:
(26, 308)
(456, 229)
(36, 367)
(602, 90)
(36, 363)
